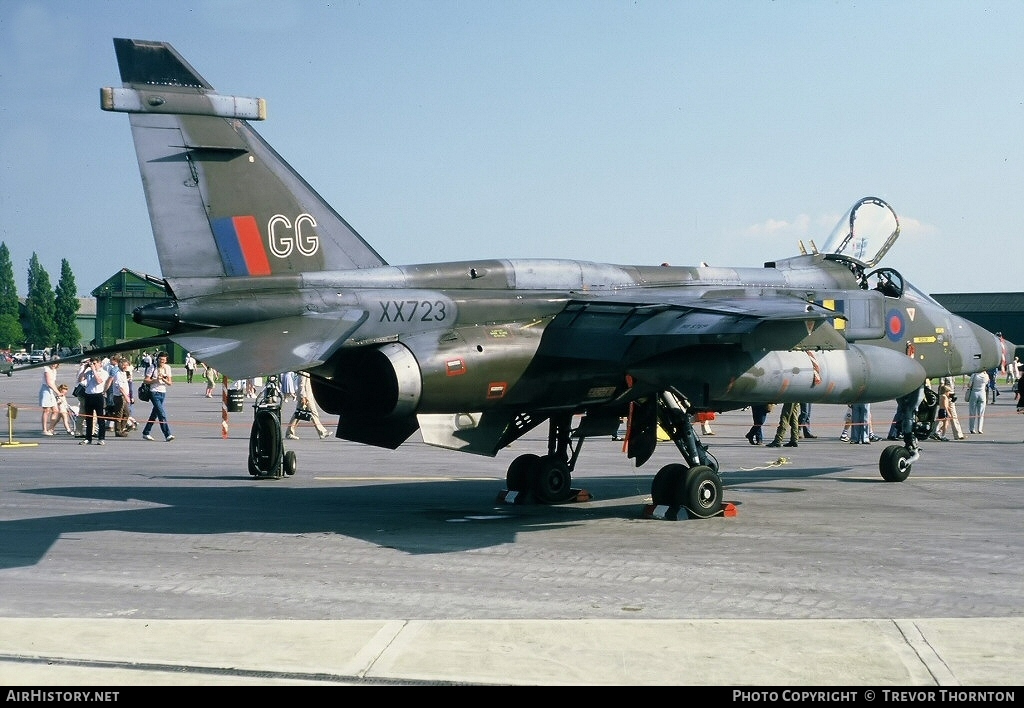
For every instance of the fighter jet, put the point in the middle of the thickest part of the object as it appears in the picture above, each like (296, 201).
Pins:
(263, 276)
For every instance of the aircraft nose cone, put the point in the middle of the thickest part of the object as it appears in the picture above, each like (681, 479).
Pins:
(1009, 350)
(995, 351)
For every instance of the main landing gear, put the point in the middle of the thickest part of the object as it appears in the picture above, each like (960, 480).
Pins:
(548, 477)
(267, 457)
(693, 484)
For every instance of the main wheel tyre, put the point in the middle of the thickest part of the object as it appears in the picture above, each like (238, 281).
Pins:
(265, 443)
(702, 492)
(289, 462)
(665, 483)
(552, 480)
(893, 464)
(520, 473)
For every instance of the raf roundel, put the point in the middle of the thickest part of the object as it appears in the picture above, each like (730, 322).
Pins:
(894, 325)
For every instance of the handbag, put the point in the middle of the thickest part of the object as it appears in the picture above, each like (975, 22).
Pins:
(79, 391)
(144, 393)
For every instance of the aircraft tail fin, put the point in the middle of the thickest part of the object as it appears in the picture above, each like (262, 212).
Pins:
(222, 202)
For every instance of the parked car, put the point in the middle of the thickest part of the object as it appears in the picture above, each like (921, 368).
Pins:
(20, 357)
(38, 356)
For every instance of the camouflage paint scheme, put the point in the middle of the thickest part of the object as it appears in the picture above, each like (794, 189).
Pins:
(263, 276)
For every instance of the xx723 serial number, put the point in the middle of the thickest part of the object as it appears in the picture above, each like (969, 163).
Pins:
(412, 310)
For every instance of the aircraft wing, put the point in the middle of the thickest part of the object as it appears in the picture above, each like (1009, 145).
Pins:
(777, 323)
(726, 301)
(272, 346)
(674, 320)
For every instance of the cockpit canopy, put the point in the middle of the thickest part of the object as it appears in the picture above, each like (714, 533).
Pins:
(866, 232)
(861, 238)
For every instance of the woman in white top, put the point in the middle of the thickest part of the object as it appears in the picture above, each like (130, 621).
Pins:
(48, 398)
(976, 386)
(159, 377)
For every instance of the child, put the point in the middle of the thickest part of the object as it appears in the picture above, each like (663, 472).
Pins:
(64, 412)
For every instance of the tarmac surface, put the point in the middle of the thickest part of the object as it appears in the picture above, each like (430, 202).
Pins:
(150, 563)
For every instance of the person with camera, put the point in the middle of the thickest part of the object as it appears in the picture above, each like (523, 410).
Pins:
(305, 409)
(94, 378)
(159, 377)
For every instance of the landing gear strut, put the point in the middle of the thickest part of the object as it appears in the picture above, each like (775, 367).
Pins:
(918, 415)
(695, 484)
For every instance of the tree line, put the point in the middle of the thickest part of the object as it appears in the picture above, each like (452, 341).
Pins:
(51, 313)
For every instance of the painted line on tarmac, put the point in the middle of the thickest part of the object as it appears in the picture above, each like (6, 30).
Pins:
(438, 478)
(989, 478)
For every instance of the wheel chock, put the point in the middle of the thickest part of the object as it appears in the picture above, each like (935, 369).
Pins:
(663, 512)
(507, 496)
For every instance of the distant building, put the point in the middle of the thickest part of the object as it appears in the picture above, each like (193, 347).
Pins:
(116, 299)
(85, 318)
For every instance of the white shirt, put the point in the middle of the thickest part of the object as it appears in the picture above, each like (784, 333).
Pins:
(158, 375)
(95, 380)
(978, 382)
(120, 384)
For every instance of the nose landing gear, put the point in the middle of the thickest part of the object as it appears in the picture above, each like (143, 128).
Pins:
(918, 415)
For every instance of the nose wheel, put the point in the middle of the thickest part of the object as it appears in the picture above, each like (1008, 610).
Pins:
(894, 464)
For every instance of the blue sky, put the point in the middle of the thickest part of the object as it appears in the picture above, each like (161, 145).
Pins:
(624, 132)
